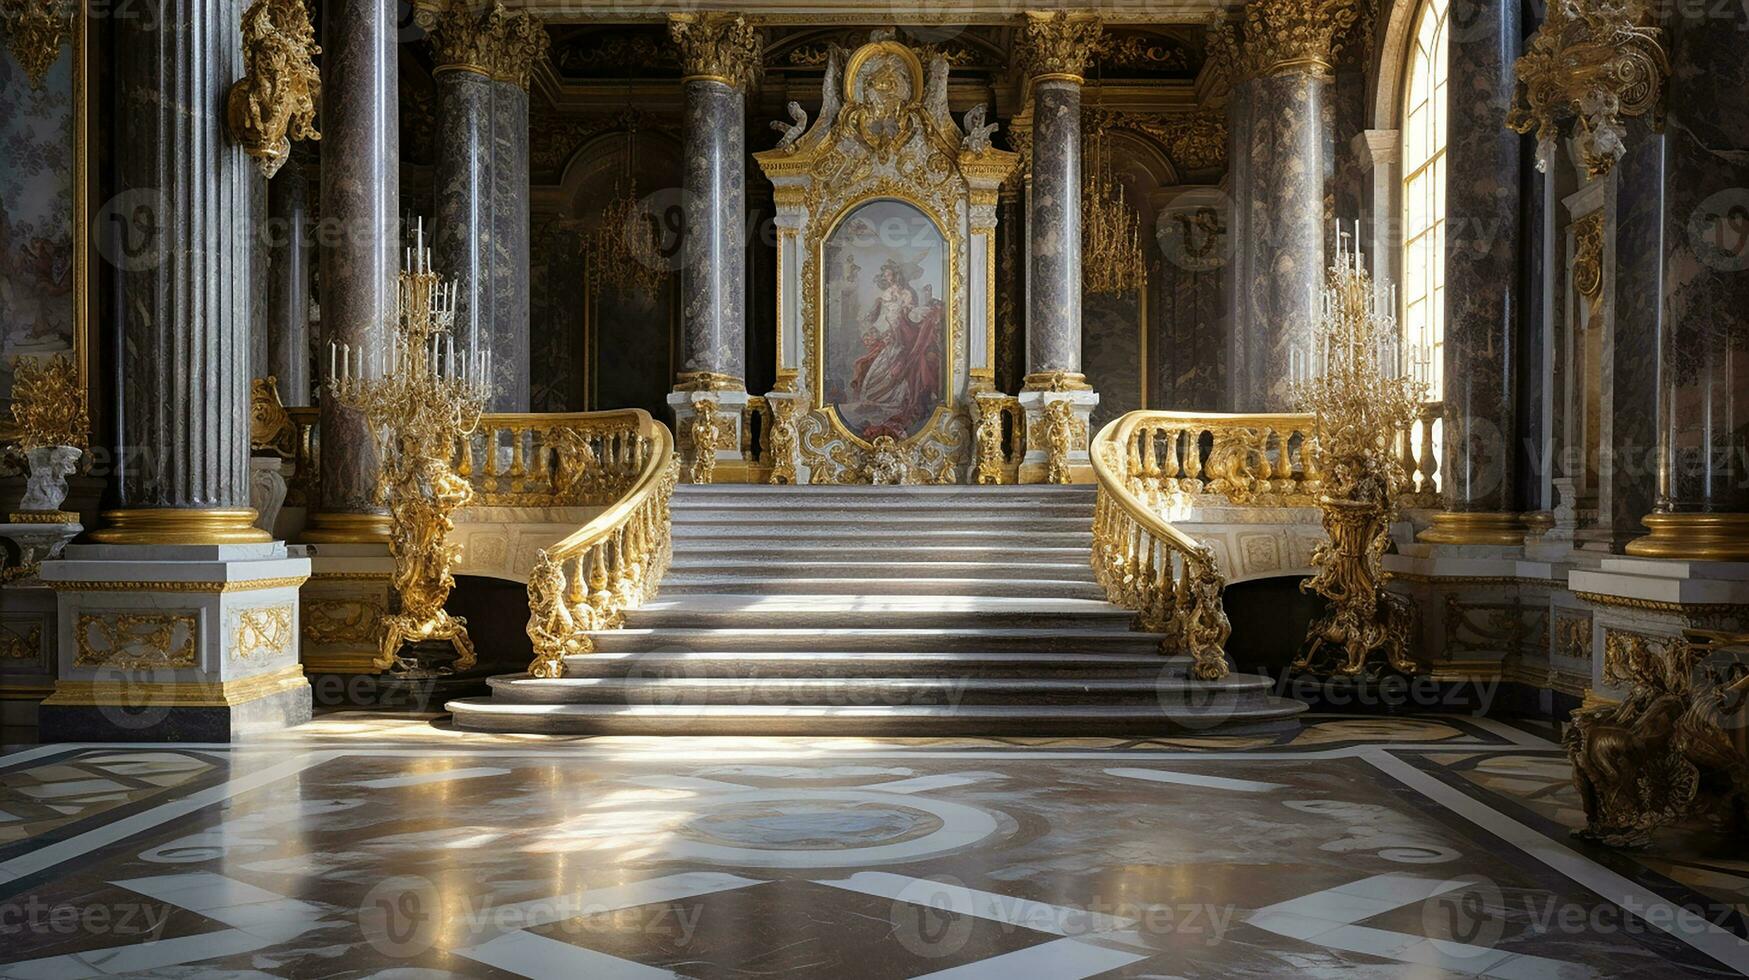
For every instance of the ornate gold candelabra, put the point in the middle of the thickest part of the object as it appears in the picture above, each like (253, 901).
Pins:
(418, 394)
(1361, 384)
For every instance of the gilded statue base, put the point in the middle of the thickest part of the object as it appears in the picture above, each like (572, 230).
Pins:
(411, 630)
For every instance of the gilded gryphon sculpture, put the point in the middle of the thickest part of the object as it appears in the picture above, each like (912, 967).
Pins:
(419, 394)
(1672, 748)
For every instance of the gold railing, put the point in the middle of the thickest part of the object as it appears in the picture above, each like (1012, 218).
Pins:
(1172, 581)
(614, 562)
(1001, 439)
(1418, 454)
(564, 459)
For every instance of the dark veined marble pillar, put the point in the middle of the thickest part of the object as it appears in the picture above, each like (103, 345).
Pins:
(1482, 283)
(720, 56)
(184, 309)
(1281, 152)
(1057, 47)
(483, 61)
(288, 284)
(1701, 329)
(360, 243)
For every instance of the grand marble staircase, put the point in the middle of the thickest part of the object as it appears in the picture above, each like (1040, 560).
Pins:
(877, 611)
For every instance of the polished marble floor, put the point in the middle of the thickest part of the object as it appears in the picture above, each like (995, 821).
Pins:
(392, 846)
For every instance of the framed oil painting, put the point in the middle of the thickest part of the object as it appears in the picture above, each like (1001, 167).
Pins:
(43, 239)
(884, 363)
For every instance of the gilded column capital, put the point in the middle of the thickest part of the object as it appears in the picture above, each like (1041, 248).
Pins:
(1280, 37)
(1059, 44)
(717, 47)
(496, 42)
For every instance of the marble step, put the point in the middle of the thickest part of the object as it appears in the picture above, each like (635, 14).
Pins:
(785, 525)
(806, 584)
(1011, 553)
(827, 567)
(875, 611)
(1056, 493)
(1158, 689)
(1269, 716)
(746, 665)
(875, 536)
(971, 506)
(1105, 638)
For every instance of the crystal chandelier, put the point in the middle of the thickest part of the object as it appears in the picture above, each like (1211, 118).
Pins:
(418, 394)
(624, 251)
(1111, 236)
(1362, 385)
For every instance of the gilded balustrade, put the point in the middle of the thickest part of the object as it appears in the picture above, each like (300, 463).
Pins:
(565, 459)
(615, 561)
(1171, 580)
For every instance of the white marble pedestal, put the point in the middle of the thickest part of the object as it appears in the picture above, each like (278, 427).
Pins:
(1035, 465)
(175, 642)
(731, 467)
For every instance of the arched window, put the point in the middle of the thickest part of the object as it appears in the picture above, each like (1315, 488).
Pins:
(1422, 289)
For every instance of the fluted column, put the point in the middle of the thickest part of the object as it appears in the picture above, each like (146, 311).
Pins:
(360, 238)
(288, 283)
(1281, 156)
(1482, 289)
(1056, 47)
(482, 66)
(1694, 318)
(184, 316)
(720, 56)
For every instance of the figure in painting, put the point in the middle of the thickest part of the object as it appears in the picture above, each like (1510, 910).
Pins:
(895, 384)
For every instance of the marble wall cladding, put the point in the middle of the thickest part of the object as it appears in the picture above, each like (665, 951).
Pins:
(1235, 341)
(1282, 200)
(1111, 352)
(1346, 179)
(509, 268)
(631, 353)
(260, 248)
(288, 283)
(464, 236)
(1703, 431)
(1054, 313)
(184, 324)
(1630, 354)
(1482, 287)
(713, 278)
(360, 201)
(1532, 433)
(1011, 291)
(1186, 356)
(557, 316)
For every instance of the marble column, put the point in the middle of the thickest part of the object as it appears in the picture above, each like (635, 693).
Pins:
(1281, 119)
(1483, 292)
(1058, 46)
(288, 284)
(720, 57)
(1701, 332)
(483, 60)
(359, 238)
(151, 647)
(184, 371)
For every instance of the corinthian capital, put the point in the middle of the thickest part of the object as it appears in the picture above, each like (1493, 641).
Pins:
(492, 41)
(1276, 37)
(1060, 44)
(720, 47)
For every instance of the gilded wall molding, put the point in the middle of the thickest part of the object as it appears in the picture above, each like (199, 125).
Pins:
(275, 100)
(717, 47)
(240, 585)
(36, 30)
(1279, 37)
(1594, 63)
(498, 43)
(1587, 270)
(136, 640)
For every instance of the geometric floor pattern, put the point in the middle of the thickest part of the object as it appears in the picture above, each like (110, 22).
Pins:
(1428, 847)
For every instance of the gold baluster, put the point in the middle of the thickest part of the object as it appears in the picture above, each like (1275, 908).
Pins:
(1193, 459)
(1171, 469)
(1429, 461)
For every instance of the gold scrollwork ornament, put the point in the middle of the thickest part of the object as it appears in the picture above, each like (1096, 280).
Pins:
(275, 100)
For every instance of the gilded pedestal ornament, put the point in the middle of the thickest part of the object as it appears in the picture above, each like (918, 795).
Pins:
(275, 100)
(1596, 63)
(49, 425)
(1671, 748)
(419, 395)
(1362, 387)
